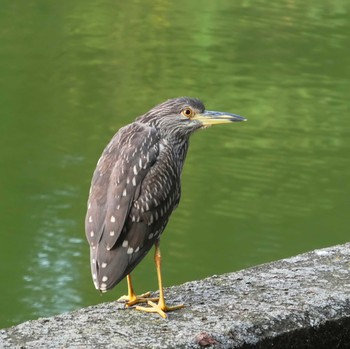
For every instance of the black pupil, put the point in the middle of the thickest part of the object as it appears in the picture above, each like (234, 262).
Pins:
(188, 112)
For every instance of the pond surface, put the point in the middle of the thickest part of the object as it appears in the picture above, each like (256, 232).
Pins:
(72, 73)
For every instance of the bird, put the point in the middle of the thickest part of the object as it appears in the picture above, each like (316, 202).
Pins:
(134, 189)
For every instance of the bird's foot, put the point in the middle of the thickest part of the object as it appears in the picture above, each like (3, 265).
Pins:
(161, 309)
(134, 299)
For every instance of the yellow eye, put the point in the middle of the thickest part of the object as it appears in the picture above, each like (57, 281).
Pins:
(188, 112)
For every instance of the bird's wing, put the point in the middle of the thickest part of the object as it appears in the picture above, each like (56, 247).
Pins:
(116, 182)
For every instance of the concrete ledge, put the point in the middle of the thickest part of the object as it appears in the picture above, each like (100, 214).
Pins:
(300, 302)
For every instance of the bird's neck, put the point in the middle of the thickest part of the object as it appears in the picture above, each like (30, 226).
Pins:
(181, 149)
(178, 147)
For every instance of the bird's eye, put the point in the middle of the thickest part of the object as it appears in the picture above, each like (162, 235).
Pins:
(188, 112)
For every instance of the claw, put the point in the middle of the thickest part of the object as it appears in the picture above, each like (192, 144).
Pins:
(134, 299)
(159, 308)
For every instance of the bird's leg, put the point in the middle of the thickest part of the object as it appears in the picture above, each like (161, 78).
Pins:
(132, 299)
(161, 308)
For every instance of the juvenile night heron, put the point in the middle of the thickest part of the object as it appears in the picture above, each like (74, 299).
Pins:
(135, 187)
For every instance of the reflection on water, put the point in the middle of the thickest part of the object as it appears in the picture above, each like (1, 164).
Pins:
(73, 73)
(53, 259)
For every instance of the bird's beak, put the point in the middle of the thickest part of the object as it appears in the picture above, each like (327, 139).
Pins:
(210, 117)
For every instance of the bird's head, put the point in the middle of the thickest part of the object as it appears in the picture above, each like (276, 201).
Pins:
(182, 116)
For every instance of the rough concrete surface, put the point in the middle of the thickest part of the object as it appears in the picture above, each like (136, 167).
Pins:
(300, 302)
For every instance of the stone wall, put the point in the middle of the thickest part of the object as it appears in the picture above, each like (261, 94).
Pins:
(299, 302)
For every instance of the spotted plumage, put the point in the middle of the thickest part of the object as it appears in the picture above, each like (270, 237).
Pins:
(136, 186)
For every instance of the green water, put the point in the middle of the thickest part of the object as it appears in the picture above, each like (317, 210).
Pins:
(73, 72)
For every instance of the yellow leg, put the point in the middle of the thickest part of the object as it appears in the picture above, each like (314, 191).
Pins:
(132, 299)
(161, 308)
